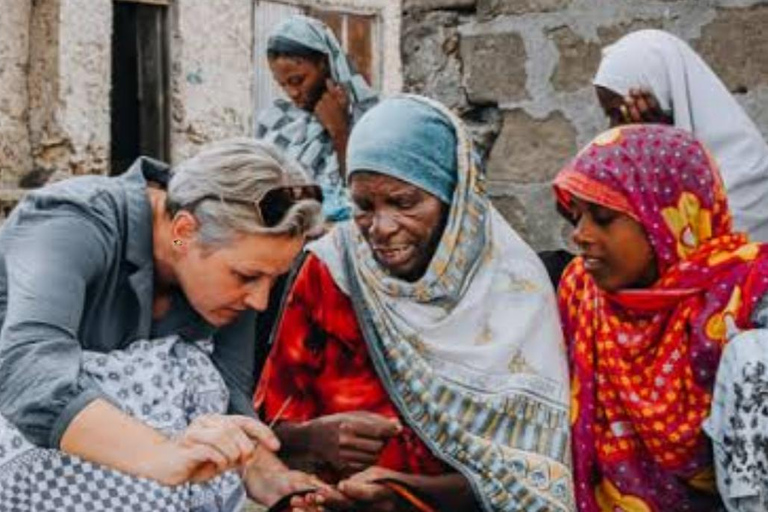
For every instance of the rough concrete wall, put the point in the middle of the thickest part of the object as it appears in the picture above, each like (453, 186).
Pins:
(14, 100)
(519, 71)
(211, 79)
(69, 85)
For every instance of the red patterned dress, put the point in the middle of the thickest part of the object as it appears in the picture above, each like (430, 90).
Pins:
(320, 359)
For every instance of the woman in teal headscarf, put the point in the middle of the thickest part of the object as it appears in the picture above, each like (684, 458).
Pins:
(327, 96)
(420, 344)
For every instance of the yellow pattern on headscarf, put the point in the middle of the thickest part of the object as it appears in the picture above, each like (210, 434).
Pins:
(689, 222)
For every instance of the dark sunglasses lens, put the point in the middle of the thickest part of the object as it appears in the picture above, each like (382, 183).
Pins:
(277, 202)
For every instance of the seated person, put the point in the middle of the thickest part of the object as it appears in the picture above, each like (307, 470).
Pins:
(94, 415)
(661, 285)
(420, 344)
(651, 76)
(326, 96)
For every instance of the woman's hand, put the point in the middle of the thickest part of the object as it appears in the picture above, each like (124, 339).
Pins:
(350, 442)
(209, 446)
(268, 487)
(369, 495)
(332, 111)
(359, 492)
(641, 106)
(364, 491)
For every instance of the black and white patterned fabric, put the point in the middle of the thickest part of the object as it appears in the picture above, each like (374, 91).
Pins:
(738, 423)
(165, 383)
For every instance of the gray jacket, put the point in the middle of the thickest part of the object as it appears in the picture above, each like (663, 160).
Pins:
(76, 272)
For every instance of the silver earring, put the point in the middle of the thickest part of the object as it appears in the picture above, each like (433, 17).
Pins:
(178, 243)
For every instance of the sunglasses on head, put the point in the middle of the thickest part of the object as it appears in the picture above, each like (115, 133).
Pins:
(274, 203)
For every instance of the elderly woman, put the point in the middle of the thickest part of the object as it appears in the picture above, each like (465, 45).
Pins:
(92, 414)
(419, 350)
(327, 96)
(651, 76)
(662, 284)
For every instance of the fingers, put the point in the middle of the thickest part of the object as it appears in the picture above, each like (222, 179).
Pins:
(333, 499)
(642, 102)
(652, 102)
(202, 453)
(364, 491)
(374, 474)
(361, 442)
(337, 92)
(372, 426)
(225, 442)
(307, 502)
(364, 458)
(349, 439)
(625, 116)
(234, 437)
(333, 87)
(362, 437)
(311, 501)
(635, 115)
(257, 431)
(642, 106)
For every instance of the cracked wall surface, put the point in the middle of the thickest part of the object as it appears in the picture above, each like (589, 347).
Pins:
(212, 66)
(14, 98)
(69, 85)
(519, 72)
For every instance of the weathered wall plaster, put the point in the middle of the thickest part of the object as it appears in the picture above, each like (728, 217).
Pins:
(520, 72)
(14, 98)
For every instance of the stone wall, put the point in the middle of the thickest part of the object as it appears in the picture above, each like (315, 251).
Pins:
(14, 99)
(519, 72)
(69, 85)
(54, 88)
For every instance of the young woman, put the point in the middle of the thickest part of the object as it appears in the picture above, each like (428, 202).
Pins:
(420, 344)
(651, 76)
(327, 96)
(661, 285)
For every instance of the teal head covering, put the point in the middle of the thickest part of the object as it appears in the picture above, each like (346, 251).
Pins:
(408, 140)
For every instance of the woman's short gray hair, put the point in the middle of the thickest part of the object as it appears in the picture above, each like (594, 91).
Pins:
(237, 171)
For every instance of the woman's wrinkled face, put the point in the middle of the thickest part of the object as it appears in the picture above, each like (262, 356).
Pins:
(401, 222)
(614, 246)
(302, 79)
(220, 283)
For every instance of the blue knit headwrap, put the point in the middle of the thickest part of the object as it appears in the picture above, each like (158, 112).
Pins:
(409, 140)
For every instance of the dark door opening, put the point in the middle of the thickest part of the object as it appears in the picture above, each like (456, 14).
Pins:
(140, 83)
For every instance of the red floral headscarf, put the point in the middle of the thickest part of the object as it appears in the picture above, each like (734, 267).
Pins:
(643, 362)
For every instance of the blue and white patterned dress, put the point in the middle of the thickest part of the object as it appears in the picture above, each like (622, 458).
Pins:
(165, 383)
